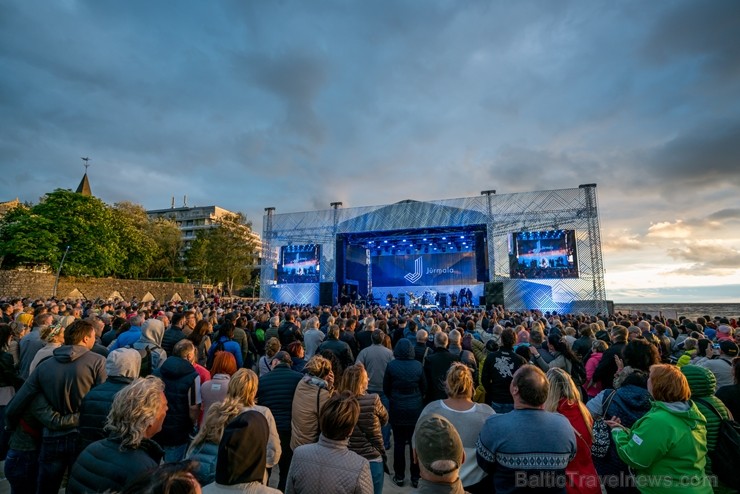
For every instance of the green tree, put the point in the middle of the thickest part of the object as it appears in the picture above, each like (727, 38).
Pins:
(87, 225)
(223, 254)
(168, 238)
(28, 239)
(136, 240)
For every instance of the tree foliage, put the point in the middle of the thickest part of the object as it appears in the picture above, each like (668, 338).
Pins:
(224, 254)
(103, 240)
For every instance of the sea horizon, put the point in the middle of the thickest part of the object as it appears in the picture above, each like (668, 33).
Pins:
(674, 310)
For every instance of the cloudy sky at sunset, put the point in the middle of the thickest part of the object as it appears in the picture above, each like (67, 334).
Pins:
(294, 104)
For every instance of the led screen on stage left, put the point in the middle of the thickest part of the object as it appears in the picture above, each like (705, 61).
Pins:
(299, 263)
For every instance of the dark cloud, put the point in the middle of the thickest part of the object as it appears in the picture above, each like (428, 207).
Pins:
(706, 259)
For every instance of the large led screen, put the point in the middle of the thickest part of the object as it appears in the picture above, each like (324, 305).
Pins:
(424, 269)
(543, 255)
(299, 263)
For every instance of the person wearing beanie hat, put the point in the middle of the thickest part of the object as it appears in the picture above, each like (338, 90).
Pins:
(721, 366)
(439, 451)
(724, 332)
(702, 384)
(242, 456)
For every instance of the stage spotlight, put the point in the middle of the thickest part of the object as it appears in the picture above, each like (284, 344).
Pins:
(444, 238)
(385, 241)
(403, 240)
(424, 239)
(462, 236)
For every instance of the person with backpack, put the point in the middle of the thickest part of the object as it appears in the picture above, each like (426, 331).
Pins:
(224, 342)
(149, 346)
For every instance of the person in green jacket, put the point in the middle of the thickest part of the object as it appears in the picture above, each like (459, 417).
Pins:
(667, 447)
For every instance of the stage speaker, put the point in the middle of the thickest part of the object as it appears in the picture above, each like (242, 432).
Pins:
(481, 257)
(327, 293)
(494, 293)
(401, 299)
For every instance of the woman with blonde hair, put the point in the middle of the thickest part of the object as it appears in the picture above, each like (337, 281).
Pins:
(312, 391)
(367, 438)
(53, 335)
(240, 398)
(564, 397)
(272, 346)
(468, 418)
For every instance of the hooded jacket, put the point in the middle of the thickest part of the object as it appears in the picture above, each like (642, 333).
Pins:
(122, 366)
(152, 332)
(404, 384)
(665, 447)
(64, 380)
(310, 395)
(702, 383)
(179, 378)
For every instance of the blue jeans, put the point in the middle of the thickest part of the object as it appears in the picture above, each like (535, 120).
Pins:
(376, 471)
(502, 407)
(173, 454)
(21, 470)
(386, 429)
(58, 452)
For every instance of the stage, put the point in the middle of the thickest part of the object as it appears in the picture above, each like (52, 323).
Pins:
(529, 250)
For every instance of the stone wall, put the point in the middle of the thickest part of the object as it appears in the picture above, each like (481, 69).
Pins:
(41, 285)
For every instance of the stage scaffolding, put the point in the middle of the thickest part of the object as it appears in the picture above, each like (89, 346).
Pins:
(567, 209)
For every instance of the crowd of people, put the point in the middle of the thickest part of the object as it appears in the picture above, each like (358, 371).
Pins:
(222, 396)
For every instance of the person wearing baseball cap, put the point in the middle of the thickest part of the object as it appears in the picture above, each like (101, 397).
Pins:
(439, 452)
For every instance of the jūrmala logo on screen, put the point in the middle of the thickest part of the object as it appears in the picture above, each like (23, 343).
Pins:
(418, 270)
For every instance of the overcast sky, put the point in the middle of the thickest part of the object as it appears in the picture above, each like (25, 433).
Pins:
(294, 104)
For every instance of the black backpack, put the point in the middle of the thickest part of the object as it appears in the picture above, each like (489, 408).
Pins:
(726, 454)
(578, 372)
(146, 360)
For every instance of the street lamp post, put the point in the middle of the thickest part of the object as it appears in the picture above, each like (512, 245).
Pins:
(59, 271)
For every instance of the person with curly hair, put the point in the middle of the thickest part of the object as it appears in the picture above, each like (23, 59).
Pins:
(136, 415)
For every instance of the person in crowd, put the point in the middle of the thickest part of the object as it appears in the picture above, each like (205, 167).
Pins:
(439, 451)
(182, 388)
(667, 447)
(150, 343)
(405, 385)
(10, 381)
(53, 337)
(689, 352)
(136, 415)
(312, 337)
(175, 332)
(730, 394)
(242, 456)
(272, 328)
(375, 359)
(289, 331)
(498, 372)
(271, 348)
(246, 382)
(201, 338)
(465, 355)
(244, 336)
(311, 392)
(538, 341)
(122, 366)
(468, 418)
(297, 355)
(32, 343)
(64, 380)
(99, 325)
(328, 466)
(436, 366)
(597, 353)
(528, 439)
(604, 373)
(367, 438)
(702, 384)
(275, 391)
(628, 402)
(216, 389)
(19, 330)
(564, 397)
(130, 335)
(348, 336)
(421, 349)
(224, 341)
(721, 366)
(584, 344)
(167, 478)
(336, 346)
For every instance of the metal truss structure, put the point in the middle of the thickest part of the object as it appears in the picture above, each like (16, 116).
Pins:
(505, 214)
